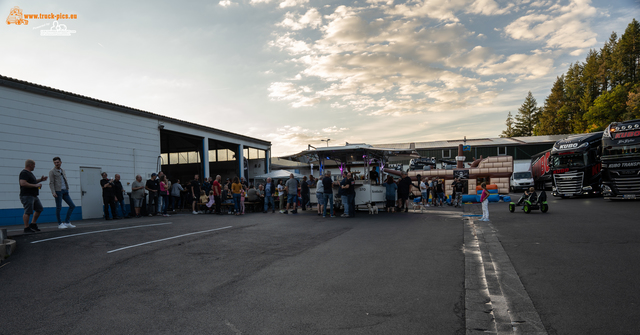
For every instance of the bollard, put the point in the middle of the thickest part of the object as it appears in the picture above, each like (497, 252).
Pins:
(3, 234)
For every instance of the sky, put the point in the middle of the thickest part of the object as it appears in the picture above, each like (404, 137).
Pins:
(297, 72)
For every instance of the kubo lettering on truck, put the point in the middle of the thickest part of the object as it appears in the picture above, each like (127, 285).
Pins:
(568, 146)
(627, 134)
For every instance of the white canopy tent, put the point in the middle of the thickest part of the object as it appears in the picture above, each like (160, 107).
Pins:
(278, 174)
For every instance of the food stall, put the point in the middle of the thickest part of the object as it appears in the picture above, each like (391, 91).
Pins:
(367, 191)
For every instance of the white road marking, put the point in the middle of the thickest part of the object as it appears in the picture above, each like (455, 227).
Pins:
(168, 238)
(496, 301)
(101, 231)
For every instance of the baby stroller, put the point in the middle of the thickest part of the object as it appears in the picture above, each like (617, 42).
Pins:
(531, 202)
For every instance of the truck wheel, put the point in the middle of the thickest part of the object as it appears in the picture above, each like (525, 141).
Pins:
(544, 208)
(512, 207)
(527, 209)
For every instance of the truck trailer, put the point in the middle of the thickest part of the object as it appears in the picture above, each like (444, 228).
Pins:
(540, 170)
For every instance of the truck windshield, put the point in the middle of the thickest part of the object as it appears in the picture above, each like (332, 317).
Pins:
(621, 151)
(567, 161)
(522, 175)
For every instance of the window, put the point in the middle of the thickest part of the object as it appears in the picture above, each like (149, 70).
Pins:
(446, 153)
(245, 153)
(502, 151)
(225, 155)
(261, 154)
(567, 160)
(212, 156)
(183, 158)
(222, 155)
(173, 158)
(253, 153)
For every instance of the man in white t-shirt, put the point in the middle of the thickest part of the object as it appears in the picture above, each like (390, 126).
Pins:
(60, 190)
(424, 190)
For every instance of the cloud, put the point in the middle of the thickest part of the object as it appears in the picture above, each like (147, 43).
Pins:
(311, 19)
(360, 58)
(292, 3)
(408, 59)
(293, 46)
(226, 3)
(563, 27)
(442, 10)
(333, 129)
(488, 7)
(524, 66)
(290, 138)
(472, 59)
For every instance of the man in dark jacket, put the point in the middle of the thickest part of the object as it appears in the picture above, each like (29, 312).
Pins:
(269, 190)
(404, 187)
(153, 186)
(108, 197)
(304, 193)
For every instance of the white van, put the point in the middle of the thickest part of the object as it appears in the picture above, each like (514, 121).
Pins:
(520, 181)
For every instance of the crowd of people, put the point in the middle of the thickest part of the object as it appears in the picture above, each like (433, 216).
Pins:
(212, 195)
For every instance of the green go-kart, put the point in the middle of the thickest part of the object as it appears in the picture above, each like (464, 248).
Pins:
(531, 202)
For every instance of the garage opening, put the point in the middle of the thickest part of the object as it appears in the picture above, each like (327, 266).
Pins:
(181, 155)
(223, 159)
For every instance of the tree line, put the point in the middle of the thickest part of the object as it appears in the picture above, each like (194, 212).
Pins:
(604, 88)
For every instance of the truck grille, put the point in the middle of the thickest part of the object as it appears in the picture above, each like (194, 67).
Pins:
(569, 183)
(627, 185)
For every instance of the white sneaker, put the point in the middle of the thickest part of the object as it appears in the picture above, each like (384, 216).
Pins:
(167, 215)
(62, 226)
(194, 212)
(199, 212)
(69, 225)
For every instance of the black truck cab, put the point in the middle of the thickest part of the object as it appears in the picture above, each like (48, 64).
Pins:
(621, 160)
(575, 165)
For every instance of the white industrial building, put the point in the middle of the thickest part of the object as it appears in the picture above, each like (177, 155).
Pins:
(91, 136)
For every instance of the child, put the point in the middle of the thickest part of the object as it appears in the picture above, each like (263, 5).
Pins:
(203, 199)
(484, 199)
(242, 201)
(527, 195)
(210, 203)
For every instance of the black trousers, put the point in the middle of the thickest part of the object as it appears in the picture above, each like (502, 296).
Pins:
(109, 201)
(218, 201)
(152, 207)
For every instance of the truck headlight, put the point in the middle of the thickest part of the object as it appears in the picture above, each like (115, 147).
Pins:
(587, 188)
(606, 188)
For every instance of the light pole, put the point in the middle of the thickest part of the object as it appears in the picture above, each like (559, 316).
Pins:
(327, 140)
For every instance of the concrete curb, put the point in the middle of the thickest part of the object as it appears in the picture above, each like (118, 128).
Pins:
(7, 247)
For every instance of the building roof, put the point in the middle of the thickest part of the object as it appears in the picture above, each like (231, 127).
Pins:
(64, 95)
(479, 142)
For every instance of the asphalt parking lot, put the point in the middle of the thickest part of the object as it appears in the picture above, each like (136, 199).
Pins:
(579, 263)
(253, 274)
(401, 273)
